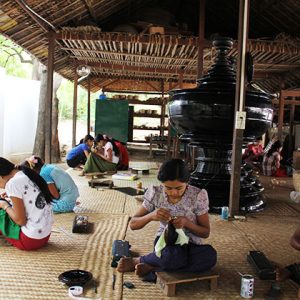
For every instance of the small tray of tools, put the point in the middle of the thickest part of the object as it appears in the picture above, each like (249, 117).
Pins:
(81, 224)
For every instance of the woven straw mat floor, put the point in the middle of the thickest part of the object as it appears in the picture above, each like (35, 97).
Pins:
(33, 275)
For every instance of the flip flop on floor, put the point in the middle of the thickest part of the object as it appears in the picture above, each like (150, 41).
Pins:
(274, 292)
(295, 270)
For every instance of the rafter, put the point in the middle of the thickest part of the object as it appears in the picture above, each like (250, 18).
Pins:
(44, 24)
(88, 5)
(110, 66)
(123, 53)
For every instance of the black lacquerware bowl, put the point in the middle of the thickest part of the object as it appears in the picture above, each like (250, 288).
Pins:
(75, 277)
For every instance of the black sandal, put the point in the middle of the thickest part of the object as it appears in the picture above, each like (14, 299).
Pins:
(295, 272)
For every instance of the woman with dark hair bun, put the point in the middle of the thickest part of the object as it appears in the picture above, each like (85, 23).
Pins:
(123, 163)
(27, 203)
(79, 154)
(271, 161)
(61, 185)
(182, 213)
(104, 156)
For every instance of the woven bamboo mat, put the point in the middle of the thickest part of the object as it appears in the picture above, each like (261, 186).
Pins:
(100, 201)
(33, 275)
(232, 242)
(21, 273)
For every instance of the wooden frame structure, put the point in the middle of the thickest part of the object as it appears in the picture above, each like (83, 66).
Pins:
(148, 61)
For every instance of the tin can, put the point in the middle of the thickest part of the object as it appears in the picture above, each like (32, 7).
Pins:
(224, 213)
(247, 286)
(139, 185)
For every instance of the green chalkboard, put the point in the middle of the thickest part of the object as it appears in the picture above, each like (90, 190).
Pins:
(112, 118)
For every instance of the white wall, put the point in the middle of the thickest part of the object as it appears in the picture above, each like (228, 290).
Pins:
(2, 79)
(19, 99)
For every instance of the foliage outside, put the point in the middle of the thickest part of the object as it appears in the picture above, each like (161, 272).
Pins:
(17, 62)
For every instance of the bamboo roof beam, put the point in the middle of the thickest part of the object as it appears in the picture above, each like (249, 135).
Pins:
(125, 54)
(44, 24)
(88, 5)
(134, 68)
(166, 40)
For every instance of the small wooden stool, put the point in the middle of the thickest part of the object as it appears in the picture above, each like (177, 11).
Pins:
(167, 280)
(94, 175)
(98, 183)
(144, 171)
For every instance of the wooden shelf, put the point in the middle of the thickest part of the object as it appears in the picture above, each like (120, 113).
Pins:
(149, 128)
(148, 102)
(147, 115)
(139, 141)
(159, 115)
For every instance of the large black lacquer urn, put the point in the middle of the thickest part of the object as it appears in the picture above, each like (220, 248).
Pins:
(204, 116)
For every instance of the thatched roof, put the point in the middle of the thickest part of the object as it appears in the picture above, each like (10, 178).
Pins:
(134, 59)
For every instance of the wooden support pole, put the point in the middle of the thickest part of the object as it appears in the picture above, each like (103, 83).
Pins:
(292, 116)
(49, 97)
(163, 109)
(74, 117)
(180, 81)
(281, 112)
(169, 140)
(240, 114)
(89, 106)
(201, 39)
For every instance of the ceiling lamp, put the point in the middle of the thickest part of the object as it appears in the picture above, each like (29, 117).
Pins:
(83, 70)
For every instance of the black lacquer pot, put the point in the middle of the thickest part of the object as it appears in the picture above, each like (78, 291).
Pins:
(204, 116)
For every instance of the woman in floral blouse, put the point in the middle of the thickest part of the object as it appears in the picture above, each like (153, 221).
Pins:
(186, 207)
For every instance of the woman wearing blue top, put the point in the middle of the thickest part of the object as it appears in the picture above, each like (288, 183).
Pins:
(60, 184)
(79, 154)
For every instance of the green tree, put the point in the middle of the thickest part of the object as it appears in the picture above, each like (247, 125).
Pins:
(14, 59)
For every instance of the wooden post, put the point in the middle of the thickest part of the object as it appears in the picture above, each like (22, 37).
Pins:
(280, 114)
(89, 106)
(169, 140)
(74, 117)
(180, 81)
(49, 97)
(240, 114)
(201, 38)
(151, 146)
(163, 110)
(292, 116)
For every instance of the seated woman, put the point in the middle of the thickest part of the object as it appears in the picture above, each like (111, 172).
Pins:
(123, 163)
(61, 185)
(28, 204)
(254, 151)
(271, 161)
(79, 154)
(103, 158)
(186, 207)
(123, 156)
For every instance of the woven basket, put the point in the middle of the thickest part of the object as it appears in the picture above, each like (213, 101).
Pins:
(296, 180)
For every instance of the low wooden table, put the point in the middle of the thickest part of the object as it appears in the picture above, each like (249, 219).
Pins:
(144, 171)
(100, 183)
(94, 175)
(167, 280)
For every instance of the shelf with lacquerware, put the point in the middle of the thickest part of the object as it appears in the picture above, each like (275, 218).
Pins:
(140, 115)
(149, 128)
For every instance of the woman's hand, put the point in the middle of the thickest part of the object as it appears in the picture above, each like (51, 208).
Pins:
(3, 204)
(161, 214)
(3, 195)
(180, 222)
